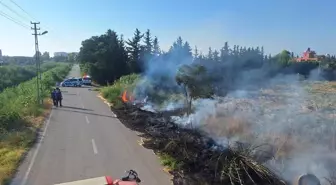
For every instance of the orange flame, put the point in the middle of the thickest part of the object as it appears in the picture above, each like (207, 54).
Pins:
(123, 97)
(126, 98)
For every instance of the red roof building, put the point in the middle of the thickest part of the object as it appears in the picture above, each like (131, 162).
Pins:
(308, 55)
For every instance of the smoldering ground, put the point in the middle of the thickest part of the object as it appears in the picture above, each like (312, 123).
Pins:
(290, 122)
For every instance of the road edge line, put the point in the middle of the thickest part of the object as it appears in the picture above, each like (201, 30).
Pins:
(39, 142)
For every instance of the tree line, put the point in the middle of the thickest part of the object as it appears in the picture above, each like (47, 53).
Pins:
(109, 56)
(44, 57)
(12, 75)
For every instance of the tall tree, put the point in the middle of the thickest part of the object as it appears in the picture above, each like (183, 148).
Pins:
(148, 42)
(134, 50)
(156, 47)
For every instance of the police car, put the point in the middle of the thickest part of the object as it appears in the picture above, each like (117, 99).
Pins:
(73, 82)
(86, 80)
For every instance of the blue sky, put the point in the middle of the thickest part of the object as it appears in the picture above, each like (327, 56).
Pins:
(274, 24)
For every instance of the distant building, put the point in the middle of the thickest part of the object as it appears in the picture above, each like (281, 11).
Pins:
(308, 55)
(60, 54)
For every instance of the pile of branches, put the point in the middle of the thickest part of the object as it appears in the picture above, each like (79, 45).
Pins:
(197, 158)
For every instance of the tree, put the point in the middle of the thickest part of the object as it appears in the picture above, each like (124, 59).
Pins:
(104, 57)
(210, 56)
(60, 58)
(215, 56)
(45, 56)
(195, 81)
(148, 43)
(284, 57)
(72, 57)
(196, 54)
(134, 49)
(156, 47)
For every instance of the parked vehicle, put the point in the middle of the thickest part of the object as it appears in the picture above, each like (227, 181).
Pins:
(87, 80)
(73, 82)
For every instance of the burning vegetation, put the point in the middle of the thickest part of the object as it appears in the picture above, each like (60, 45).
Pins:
(242, 118)
(252, 136)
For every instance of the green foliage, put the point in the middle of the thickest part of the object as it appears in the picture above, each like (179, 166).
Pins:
(18, 60)
(170, 162)
(113, 92)
(108, 57)
(20, 101)
(13, 75)
(196, 82)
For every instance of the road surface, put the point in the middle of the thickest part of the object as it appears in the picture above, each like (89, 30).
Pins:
(82, 140)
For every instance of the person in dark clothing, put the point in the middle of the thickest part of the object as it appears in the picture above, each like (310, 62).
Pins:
(59, 96)
(53, 96)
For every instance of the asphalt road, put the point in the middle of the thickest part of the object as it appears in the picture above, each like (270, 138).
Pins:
(82, 140)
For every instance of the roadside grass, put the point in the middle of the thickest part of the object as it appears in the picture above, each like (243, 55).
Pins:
(113, 92)
(21, 117)
(171, 163)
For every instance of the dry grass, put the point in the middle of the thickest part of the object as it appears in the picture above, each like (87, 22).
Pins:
(303, 115)
(242, 163)
(15, 144)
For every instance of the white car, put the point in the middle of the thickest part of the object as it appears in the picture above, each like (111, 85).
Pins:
(73, 82)
(86, 80)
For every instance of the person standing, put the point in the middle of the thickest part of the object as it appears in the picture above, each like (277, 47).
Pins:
(59, 96)
(53, 97)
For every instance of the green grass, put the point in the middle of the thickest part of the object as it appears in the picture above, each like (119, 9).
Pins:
(21, 116)
(169, 162)
(113, 92)
(13, 74)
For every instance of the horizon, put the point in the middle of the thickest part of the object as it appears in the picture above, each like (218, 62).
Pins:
(273, 25)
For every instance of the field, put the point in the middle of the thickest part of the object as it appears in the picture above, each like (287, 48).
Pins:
(13, 74)
(293, 124)
(279, 131)
(21, 117)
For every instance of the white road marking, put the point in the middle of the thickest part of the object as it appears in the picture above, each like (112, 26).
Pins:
(95, 151)
(80, 98)
(87, 120)
(32, 161)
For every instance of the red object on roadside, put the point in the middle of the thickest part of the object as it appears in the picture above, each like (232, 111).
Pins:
(109, 180)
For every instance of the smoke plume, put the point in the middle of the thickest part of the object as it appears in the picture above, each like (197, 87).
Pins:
(257, 105)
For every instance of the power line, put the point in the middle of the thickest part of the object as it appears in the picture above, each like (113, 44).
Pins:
(13, 20)
(9, 8)
(22, 9)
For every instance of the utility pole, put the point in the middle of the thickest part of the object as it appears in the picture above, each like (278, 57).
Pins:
(38, 62)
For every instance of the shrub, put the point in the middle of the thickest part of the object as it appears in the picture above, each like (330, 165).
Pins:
(113, 92)
(20, 101)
